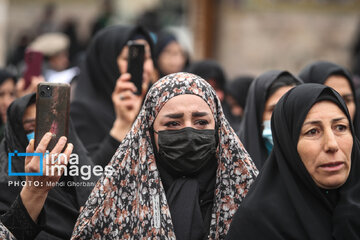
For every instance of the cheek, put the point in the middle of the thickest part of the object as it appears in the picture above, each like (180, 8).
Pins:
(308, 154)
(148, 66)
(348, 143)
(122, 64)
(351, 108)
(266, 115)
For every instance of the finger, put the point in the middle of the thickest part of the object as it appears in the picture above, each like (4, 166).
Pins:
(59, 145)
(29, 149)
(125, 77)
(41, 148)
(125, 95)
(145, 87)
(68, 151)
(124, 86)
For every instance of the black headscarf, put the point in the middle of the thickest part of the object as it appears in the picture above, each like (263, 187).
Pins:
(164, 38)
(92, 109)
(238, 89)
(284, 202)
(320, 71)
(209, 69)
(250, 132)
(4, 75)
(63, 203)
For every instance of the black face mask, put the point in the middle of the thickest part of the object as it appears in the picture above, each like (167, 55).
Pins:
(187, 150)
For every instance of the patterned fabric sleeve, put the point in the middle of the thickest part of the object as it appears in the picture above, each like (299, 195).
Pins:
(5, 234)
(19, 222)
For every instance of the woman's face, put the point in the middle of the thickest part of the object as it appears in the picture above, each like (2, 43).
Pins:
(172, 59)
(325, 145)
(272, 101)
(148, 70)
(342, 86)
(7, 96)
(184, 111)
(29, 118)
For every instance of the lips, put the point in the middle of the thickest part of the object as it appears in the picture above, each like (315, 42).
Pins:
(333, 166)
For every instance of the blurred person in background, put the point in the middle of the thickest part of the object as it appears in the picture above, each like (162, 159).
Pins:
(236, 93)
(170, 57)
(340, 79)
(104, 18)
(55, 49)
(16, 57)
(264, 93)
(7, 96)
(47, 22)
(105, 105)
(63, 202)
(213, 73)
(75, 49)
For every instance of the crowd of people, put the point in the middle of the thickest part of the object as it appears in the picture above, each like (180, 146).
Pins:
(195, 155)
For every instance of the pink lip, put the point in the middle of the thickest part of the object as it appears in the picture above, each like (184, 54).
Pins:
(334, 166)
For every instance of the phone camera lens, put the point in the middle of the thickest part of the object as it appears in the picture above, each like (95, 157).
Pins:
(42, 93)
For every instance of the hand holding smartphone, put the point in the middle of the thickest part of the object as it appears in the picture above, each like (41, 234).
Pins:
(136, 64)
(52, 112)
(33, 62)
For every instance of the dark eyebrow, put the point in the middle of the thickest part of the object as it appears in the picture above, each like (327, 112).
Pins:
(175, 115)
(318, 122)
(199, 114)
(31, 120)
(338, 119)
(348, 95)
(311, 122)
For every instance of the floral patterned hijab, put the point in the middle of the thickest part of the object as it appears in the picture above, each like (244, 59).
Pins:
(5, 233)
(131, 203)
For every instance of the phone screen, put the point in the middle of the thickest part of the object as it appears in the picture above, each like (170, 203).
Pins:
(33, 61)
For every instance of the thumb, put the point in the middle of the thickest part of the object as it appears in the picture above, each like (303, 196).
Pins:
(29, 149)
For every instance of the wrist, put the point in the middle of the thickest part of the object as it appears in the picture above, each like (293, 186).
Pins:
(33, 192)
(120, 129)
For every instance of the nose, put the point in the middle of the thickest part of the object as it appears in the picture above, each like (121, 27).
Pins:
(330, 142)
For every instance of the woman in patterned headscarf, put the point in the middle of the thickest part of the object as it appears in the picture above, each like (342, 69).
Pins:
(165, 183)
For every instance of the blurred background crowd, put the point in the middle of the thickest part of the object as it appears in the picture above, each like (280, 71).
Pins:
(245, 37)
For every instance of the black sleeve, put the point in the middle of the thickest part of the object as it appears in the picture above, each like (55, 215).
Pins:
(19, 222)
(106, 151)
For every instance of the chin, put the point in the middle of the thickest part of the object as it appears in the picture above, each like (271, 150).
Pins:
(333, 182)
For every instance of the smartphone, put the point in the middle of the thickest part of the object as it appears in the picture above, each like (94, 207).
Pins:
(52, 112)
(33, 62)
(136, 64)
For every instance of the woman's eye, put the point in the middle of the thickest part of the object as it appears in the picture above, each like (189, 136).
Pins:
(202, 122)
(171, 124)
(341, 128)
(311, 132)
(348, 99)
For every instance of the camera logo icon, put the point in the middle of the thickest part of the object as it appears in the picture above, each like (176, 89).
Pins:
(16, 153)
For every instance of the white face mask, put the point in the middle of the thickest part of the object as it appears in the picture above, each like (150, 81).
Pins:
(267, 135)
